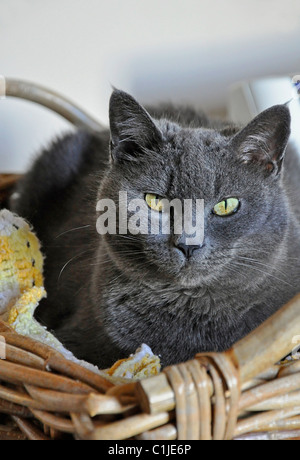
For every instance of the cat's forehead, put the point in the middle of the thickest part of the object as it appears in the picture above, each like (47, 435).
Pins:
(200, 162)
(201, 146)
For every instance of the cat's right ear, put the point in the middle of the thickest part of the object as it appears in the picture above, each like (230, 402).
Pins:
(132, 129)
(263, 141)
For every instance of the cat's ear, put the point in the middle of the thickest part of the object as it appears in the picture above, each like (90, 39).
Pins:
(132, 128)
(263, 141)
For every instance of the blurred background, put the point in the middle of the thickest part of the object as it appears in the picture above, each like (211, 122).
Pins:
(189, 51)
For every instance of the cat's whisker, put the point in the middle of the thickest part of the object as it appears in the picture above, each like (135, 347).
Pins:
(255, 249)
(80, 289)
(130, 238)
(261, 263)
(70, 261)
(72, 230)
(237, 272)
(108, 259)
(263, 272)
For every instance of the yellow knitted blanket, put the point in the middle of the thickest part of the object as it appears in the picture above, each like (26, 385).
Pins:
(21, 266)
(21, 290)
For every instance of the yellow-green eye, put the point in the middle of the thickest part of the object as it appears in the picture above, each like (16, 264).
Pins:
(154, 202)
(226, 207)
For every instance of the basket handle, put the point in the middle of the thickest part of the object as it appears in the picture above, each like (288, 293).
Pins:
(50, 99)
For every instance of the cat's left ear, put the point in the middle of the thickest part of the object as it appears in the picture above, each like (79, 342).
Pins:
(263, 141)
(132, 128)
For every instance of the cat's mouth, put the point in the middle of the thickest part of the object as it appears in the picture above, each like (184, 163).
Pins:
(206, 267)
(195, 271)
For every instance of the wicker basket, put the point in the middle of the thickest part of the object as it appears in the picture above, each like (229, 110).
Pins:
(239, 394)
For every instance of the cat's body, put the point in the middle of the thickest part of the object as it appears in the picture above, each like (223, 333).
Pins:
(108, 294)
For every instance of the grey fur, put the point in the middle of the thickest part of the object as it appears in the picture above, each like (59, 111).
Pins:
(107, 295)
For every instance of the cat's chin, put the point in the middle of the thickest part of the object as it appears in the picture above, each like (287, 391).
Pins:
(196, 275)
(192, 280)
(189, 283)
(183, 279)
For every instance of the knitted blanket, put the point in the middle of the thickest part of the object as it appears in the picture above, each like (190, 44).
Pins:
(22, 288)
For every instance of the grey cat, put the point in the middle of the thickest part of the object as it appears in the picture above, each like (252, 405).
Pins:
(108, 294)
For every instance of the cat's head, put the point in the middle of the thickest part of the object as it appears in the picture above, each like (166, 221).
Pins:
(238, 174)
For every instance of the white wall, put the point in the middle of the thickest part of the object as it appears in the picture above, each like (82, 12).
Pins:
(180, 50)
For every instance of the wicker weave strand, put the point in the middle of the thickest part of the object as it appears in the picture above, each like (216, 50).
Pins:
(222, 364)
(207, 393)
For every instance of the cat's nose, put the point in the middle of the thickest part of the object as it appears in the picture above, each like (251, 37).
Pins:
(188, 249)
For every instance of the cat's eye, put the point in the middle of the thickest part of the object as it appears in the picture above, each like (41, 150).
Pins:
(226, 207)
(154, 202)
